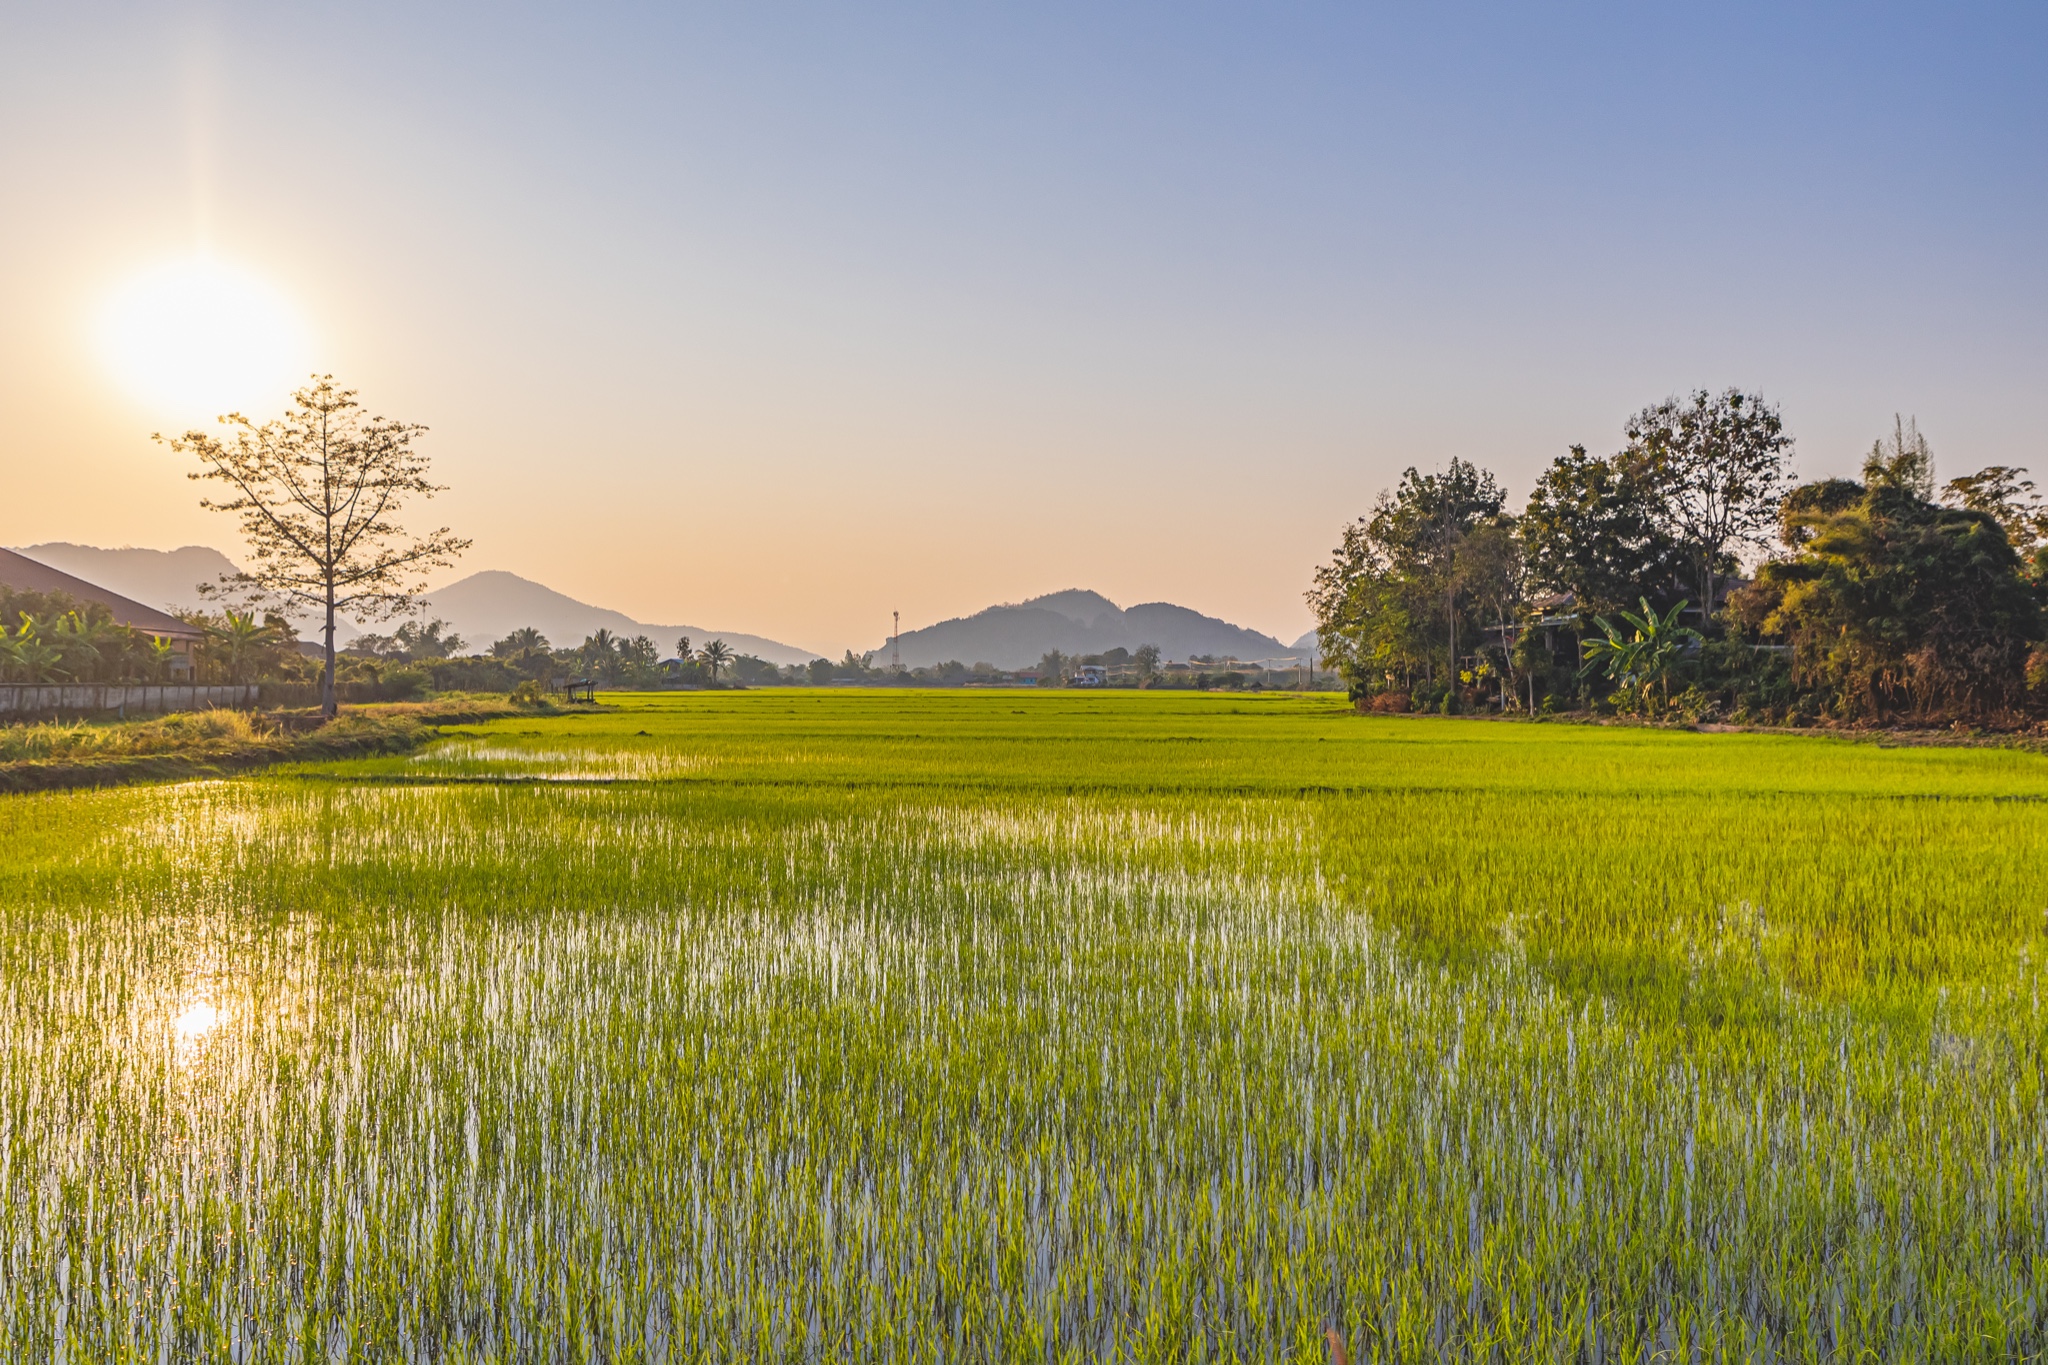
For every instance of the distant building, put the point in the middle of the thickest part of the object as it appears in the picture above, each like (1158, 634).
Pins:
(1091, 675)
(23, 574)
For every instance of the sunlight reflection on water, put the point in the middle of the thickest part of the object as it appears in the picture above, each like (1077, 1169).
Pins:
(194, 1023)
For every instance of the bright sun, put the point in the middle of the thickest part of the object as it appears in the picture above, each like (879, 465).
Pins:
(198, 337)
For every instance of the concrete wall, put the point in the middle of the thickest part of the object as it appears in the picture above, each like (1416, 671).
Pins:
(96, 698)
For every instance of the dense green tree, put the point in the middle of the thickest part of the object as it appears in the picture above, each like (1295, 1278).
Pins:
(1897, 605)
(1594, 528)
(416, 642)
(1393, 602)
(2000, 491)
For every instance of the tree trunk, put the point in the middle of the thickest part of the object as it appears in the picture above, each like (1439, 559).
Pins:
(1451, 610)
(327, 704)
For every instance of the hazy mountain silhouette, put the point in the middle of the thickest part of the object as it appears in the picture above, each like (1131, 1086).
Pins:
(165, 579)
(481, 608)
(490, 605)
(1077, 622)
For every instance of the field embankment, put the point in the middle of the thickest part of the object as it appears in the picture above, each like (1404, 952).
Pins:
(192, 744)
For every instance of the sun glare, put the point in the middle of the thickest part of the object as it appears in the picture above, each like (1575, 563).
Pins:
(194, 1023)
(199, 337)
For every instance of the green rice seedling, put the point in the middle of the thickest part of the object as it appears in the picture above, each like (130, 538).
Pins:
(941, 1027)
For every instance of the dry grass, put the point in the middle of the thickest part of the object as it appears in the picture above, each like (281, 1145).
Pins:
(179, 731)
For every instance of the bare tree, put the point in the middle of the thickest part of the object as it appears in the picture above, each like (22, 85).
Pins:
(318, 493)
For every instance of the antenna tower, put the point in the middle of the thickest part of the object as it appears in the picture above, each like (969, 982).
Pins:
(895, 630)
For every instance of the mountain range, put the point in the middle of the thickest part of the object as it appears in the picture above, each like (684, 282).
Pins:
(481, 608)
(492, 604)
(1077, 622)
(165, 579)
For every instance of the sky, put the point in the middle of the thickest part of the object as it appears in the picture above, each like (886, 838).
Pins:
(778, 318)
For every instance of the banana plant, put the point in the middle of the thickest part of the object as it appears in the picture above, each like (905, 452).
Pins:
(77, 643)
(161, 652)
(30, 658)
(1644, 658)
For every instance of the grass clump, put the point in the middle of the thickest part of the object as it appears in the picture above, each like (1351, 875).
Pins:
(180, 730)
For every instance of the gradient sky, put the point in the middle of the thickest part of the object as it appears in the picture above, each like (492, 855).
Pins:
(776, 318)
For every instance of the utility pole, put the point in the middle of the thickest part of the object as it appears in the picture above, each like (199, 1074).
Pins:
(895, 633)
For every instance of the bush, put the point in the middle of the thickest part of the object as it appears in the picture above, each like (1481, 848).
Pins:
(473, 675)
(407, 684)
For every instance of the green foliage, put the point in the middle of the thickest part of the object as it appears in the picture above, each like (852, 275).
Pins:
(1645, 658)
(1398, 599)
(407, 682)
(1718, 464)
(53, 638)
(1898, 606)
(1143, 1026)
(1594, 529)
(1890, 606)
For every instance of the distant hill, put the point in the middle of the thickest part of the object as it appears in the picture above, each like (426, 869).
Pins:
(165, 579)
(1078, 622)
(1307, 642)
(490, 605)
(483, 607)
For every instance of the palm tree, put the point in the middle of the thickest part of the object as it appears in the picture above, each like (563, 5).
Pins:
(1644, 658)
(239, 638)
(161, 652)
(715, 656)
(525, 640)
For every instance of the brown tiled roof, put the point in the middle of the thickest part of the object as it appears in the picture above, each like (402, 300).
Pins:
(23, 574)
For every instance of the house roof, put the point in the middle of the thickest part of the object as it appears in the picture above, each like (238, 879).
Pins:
(23, 574)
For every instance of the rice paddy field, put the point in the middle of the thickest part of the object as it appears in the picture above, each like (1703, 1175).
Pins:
(1013, 1026)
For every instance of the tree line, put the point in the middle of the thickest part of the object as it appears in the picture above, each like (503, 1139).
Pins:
(1690, 574)
(427, 653)
(57, 639)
